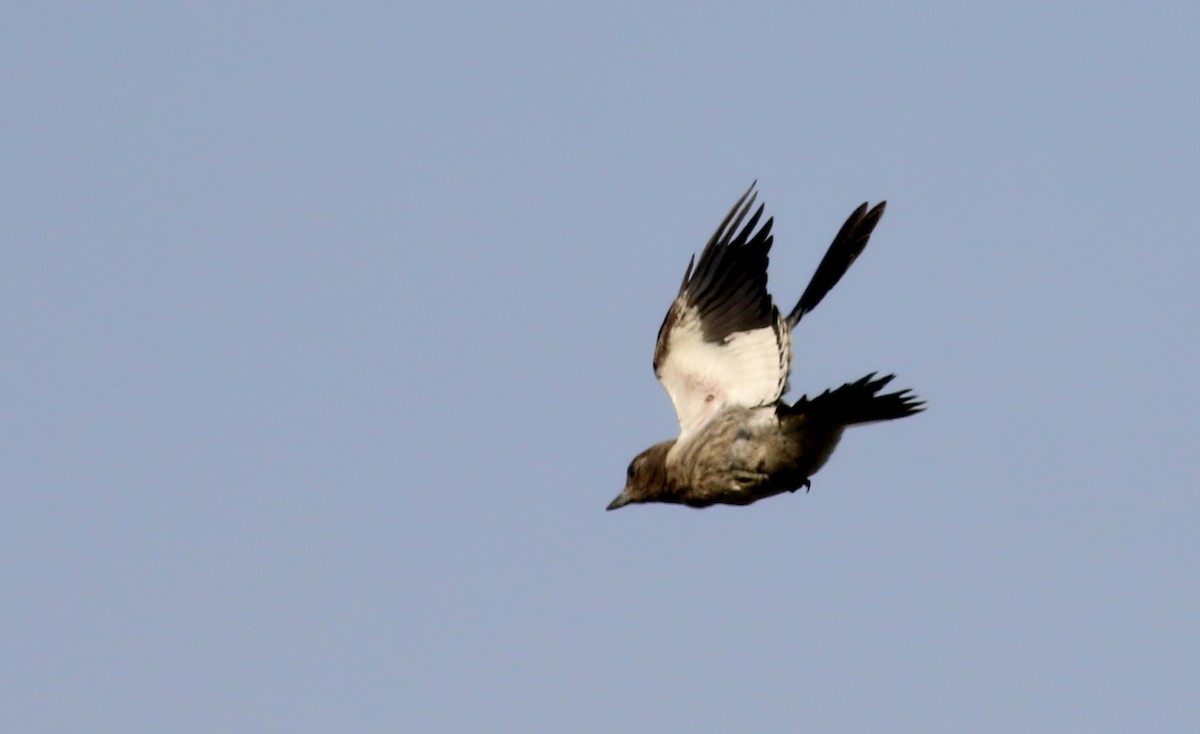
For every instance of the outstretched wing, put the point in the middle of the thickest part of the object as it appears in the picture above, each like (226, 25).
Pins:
(849, 243)
(723, 342)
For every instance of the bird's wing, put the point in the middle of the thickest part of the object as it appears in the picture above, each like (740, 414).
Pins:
(849, 243)
(723, 341)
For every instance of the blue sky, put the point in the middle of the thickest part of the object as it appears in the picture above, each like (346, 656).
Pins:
(328, 336)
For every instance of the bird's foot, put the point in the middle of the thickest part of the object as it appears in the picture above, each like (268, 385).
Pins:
(806, 485)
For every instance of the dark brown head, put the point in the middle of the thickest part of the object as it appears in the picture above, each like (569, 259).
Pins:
(646, 480)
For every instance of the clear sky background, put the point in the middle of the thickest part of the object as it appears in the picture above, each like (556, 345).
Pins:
(327, 336)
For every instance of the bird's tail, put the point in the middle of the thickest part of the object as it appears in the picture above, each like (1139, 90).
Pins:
(859, 402)
(849, 243)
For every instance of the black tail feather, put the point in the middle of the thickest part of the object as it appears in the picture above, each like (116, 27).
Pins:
(859, 402)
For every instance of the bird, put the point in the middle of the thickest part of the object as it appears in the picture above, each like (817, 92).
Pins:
(724, 356)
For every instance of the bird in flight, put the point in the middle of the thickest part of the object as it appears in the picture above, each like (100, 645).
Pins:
(724, 353)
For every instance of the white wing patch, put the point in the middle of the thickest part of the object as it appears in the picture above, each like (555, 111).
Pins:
(747, 369)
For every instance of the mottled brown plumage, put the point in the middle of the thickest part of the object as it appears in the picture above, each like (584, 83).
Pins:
(724, 356)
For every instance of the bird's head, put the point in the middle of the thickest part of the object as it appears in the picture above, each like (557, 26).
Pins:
(646, 479)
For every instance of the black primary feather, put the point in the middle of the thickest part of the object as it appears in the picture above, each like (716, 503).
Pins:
(728, 286)
(849, 243)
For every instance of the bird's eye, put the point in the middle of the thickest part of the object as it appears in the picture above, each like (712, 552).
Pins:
(631, 471)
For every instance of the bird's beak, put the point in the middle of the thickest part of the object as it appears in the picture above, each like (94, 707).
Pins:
(621, 500)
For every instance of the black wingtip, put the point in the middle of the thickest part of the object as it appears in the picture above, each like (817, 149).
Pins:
(688, 274)
(847, 245)
(728, 283)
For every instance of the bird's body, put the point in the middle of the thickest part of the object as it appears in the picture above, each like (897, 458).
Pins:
(743, 455)
(724, 355)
